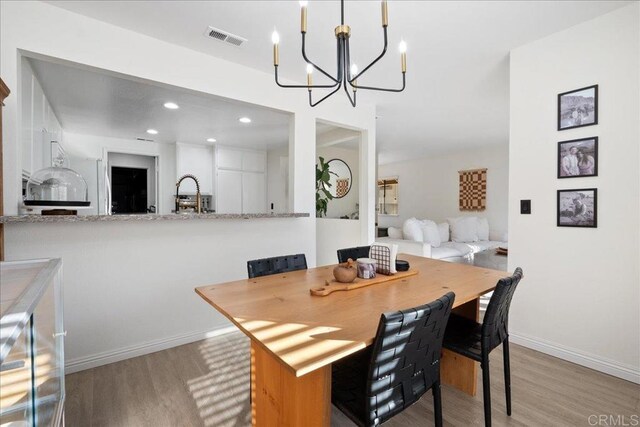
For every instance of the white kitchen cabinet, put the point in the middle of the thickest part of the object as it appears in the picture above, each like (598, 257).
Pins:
(27, 119)
(195, 160)
(228, 158)
(38, 141)
(39, 124)
(254, 161)
(229, 194)
(248, 191)
(254, 194)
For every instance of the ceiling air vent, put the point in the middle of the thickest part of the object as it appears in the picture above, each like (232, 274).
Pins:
(224, 36)
(144, 139)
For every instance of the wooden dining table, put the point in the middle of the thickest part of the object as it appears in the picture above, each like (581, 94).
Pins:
(296, 336)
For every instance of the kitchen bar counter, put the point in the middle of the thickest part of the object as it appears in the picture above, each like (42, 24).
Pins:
(140, 217)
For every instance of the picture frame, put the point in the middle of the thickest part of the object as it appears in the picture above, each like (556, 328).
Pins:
(577, 208)
(578, 158)
(578, 108)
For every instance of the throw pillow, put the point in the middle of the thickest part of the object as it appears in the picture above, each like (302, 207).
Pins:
(394, 233)
(411, 230)
(464, 229)
(430, 233)
(483, 229)
(443, 229)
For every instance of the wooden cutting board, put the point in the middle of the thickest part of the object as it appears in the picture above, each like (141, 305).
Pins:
(333, 286)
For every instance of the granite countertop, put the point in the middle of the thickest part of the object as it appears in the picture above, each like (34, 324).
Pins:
(140, 217)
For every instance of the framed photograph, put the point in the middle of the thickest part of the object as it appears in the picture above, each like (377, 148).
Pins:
(578, 108)
(578, 208)
(578, 158)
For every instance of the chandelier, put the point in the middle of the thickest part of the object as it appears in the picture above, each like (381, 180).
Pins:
(347, 73)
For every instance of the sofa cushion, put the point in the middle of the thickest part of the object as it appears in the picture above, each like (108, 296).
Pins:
(430, 233)
(463, 229)
(412, 230)
(483, 229)
(443, 229)
(450, 250)
(394, 233)
(484, 245)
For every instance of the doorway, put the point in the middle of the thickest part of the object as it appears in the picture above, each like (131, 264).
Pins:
(129, 190)
(132, 183)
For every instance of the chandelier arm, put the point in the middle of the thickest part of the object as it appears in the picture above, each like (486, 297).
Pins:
(304, 55)
(384, 51)
(346, 90)
(311, 103)
(303, 86)
(382, 89)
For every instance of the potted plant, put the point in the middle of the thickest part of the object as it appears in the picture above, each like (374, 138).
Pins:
(322, 187)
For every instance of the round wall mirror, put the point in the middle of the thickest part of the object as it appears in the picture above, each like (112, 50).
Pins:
(340, 178)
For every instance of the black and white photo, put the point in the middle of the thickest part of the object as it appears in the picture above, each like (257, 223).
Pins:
(578, 208)
(578, 158)
(578, 108)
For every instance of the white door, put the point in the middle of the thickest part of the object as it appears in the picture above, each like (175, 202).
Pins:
(229, 192)
(254, 197)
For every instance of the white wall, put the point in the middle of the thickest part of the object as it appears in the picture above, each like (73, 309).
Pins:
(334, 234)
(93, 147)
(347, 204)
(428, 187)
(129, 287)
(580, 297)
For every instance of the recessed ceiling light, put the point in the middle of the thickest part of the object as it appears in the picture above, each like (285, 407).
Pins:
(152, 131)
(211, 140)
(171, 105)
(244, 120)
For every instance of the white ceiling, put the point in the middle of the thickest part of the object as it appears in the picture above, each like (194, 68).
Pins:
(458, 75)
(88, 101)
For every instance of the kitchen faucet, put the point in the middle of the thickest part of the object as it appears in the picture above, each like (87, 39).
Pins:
(198, 204)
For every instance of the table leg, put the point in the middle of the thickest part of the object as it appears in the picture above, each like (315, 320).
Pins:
(456, 370)
(279, 398)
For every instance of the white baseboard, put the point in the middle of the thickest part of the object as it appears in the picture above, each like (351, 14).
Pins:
(95, 360)
(626, 372)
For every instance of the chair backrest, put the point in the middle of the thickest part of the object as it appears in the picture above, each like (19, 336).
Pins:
(495, 326)
(353, 253)
(275, 265)
(405, 360)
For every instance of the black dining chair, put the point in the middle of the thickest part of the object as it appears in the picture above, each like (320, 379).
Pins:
(276, 265)
(476, 341)
(353, 253)
(379, 382)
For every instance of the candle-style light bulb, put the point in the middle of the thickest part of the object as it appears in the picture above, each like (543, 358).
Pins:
(403, 55)
(303, 16)
(309, 75)
(275, 38)
(385, 14)
(354, 72)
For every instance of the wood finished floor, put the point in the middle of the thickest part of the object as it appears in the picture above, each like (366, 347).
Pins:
(207, 384)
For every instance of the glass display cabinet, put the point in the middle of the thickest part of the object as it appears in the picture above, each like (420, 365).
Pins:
(31, 344)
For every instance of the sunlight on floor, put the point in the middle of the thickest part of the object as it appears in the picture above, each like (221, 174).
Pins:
(222, 395)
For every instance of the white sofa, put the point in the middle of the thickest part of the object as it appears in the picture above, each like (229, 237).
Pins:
(446, 250)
